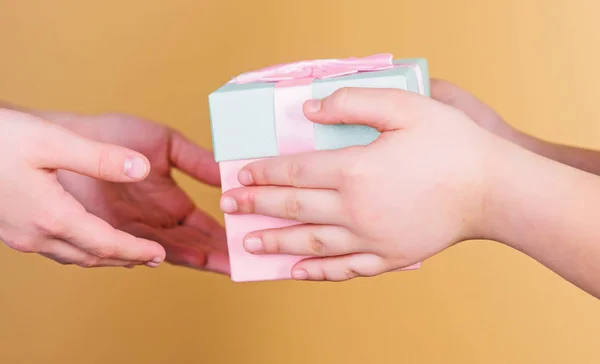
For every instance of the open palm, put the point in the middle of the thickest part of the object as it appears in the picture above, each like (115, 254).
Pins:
(155, 208)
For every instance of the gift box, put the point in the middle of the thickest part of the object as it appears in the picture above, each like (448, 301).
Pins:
(259, 115)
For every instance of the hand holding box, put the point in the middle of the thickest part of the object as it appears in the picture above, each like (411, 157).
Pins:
(259, 115)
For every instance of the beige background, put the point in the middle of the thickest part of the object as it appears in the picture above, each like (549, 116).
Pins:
(537, 62)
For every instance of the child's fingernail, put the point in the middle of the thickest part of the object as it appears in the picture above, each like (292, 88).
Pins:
(299, 274)
(157, 260)
(152, 264)
(228, 205)
(245, 177)
(135, 167)
(313, 105)
(253, 245)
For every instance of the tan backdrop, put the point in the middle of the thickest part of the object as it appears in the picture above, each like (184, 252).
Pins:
(535, 61)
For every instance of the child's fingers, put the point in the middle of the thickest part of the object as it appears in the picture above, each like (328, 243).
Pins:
(339, 268)
(305, 205)
(319, 169)
(307, 240)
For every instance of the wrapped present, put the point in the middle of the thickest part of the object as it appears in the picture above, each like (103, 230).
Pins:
(259, 115)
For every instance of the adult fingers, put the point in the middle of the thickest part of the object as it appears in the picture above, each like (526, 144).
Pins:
(452, 95)
(69, 221)
(213, 247)
(186, 248)
(195, 161)
(382, 109)
(64, 253)
(305, 205)
(304, 240)
(201, 221)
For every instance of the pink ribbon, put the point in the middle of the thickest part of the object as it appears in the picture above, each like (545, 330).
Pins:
(317, 69)
(295, 134)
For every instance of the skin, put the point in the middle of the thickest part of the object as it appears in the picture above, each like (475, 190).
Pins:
(105, 211)
(486, 117)
(452, 181)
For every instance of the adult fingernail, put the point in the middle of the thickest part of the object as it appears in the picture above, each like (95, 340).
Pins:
(228, 205)
(299, 274)
(135, 167)
(253, 245)
(245, 177)
(313, 105)
(154, 262)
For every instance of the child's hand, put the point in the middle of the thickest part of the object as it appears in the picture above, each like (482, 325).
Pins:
(418, 189)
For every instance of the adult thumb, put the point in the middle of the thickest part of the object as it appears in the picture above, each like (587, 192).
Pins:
(382, 109)
(63, 149)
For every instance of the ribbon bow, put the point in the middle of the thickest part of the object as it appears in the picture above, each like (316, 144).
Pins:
(317, 69)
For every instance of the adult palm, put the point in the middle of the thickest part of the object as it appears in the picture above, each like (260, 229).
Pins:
(155, 208)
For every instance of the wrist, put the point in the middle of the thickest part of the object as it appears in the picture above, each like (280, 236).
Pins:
(481, 205)
(528, 195)
(509, 180)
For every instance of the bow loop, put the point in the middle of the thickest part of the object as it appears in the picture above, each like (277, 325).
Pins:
(317, 69)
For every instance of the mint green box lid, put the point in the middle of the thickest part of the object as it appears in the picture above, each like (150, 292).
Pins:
(243, 118)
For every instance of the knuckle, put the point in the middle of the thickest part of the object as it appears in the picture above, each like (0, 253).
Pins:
(271, 243)
(293, 171)
(48, 225)
(105, 157)
(248, 202)
(339, 99)
(256, 172)
(90, 263)
(316, 245)
(106, 251)
(356, 171)
(350, 273)
(292, 206)
(53, 221)
(24, 244)
(318, 274)
(38, 137)
(395, 96)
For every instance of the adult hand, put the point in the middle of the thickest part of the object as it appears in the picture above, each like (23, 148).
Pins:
(581, 158)
(478, 111)
(37, 215)
(155, 208)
